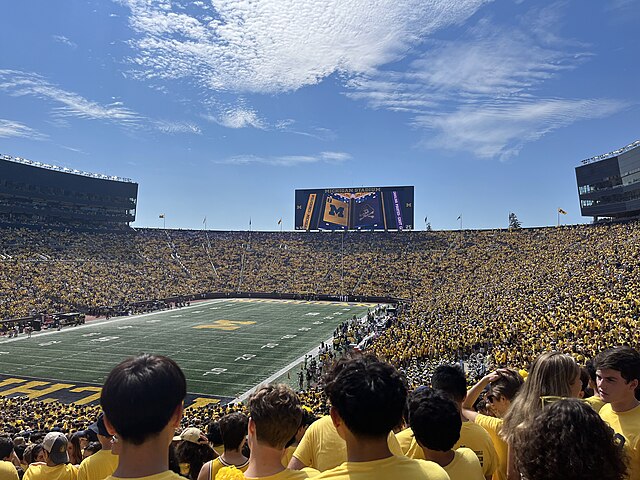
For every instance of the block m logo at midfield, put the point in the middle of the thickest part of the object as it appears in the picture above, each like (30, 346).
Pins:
(336, 211)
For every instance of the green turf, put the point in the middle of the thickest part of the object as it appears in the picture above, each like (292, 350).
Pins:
(282, 332)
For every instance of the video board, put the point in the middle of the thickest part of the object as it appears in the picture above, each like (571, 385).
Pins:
(363, 208)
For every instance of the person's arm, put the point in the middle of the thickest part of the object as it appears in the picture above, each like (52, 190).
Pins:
(512, 470)
(474, 392)
(205, 472)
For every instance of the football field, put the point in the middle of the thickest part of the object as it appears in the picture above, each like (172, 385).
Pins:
(225, 347)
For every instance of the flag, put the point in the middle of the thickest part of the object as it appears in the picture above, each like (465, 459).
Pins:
(249, 221)
(562, 211)
(336, 211)
(161, 215)
(279, 221)
(205, 220)
(459, 217)
(425, 219)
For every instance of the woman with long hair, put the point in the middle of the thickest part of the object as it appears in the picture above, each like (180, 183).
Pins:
(74, 450)
(553, 375)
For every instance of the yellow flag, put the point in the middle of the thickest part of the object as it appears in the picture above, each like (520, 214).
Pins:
(562, 211)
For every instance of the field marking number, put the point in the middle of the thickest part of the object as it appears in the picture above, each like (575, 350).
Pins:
(246, 356)
(269, 345)
(214, 371)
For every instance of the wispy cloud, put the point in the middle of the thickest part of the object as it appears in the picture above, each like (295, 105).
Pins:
(64, 40)
(238, 117)
(481, 92)
(10, 128)
(275, 46)
(18, 83)
(286, 160)
(172, 128)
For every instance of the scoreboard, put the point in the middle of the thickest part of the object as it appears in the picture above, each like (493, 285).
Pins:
(362, 208)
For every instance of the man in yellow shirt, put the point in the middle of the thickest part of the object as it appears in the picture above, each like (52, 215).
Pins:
(367, 400)
(56, 465)
(618, 379)
(102, 463)
(275, 414)
(142, 399)
(436, 422)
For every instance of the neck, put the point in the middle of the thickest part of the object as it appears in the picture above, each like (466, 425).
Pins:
(441, 458)
(155, 453)
(105, 442)
(234, 456)
(264, 461)
(367, 449)
(625, 405)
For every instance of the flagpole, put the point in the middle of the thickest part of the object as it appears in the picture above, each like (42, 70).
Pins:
(558, 224)
(164, 221)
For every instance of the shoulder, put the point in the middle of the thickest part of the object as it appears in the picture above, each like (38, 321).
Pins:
(491, 423)
(432, 470)
(468, 455)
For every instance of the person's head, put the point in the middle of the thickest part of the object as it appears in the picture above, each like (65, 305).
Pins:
(91, 448)
(213, 433)
(585, 390)
(54, 446)
(553, 374)
(233, 428)
(142, 397)
(503, 390)
(568, 440)
(74, 450)
(275, 414)
(367, 396)
(450, 379)
(308, 417)
(435, 419)
(194, 450)
(6, 448)
(617, 374)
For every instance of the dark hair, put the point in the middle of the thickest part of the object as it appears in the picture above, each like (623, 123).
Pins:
(141, 394)
(213, 433)
(584, 379)
(94, 447)
(195, 455)
(233, 428)
(6, 447)
(368, 394)
(568, 440)
(507, 385)
(451, 380)
(277, 414)
(623, 359)
(591, 369)
(435, 419)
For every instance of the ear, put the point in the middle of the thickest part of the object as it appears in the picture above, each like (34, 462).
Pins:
(634, 384)
(252, 427)
(335, 417)
(110, 428)
(177, 415)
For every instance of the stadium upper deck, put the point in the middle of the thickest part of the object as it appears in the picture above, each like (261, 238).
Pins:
(32, 193)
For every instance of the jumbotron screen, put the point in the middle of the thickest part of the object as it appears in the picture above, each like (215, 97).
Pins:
(366, 208)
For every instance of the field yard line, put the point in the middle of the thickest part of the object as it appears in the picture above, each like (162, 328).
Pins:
(280, 372)
(95, 323)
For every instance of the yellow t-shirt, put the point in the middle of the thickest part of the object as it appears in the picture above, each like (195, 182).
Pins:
(168, 475)
(493, 426)
(98, 466)
(287, 474)
(385, 469)
(626, 424)
(472, 436)
(405, 440)
(217, 463)
(41, 471)
(322, 448)
(464, 466)
(596, 402)
(8, 471)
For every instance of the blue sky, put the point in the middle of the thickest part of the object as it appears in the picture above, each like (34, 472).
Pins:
(223, 108)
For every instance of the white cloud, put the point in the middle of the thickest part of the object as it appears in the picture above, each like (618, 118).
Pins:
(64, 40)
(17, 83)
(238, 117)
(281, 45)
(287, 160)
(10, 128)
(501, 130)
(481, 92)
(170, 127)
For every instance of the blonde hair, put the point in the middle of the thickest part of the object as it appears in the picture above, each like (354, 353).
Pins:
(552, 374)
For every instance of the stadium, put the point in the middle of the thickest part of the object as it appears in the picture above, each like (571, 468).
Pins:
(238, 308)
(245, 240)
